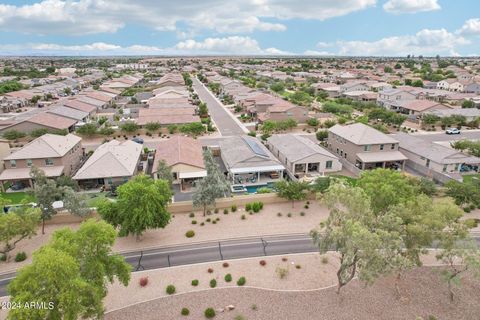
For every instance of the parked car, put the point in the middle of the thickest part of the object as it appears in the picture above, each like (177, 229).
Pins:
(18, 186)
(452, 131)
(138, 140)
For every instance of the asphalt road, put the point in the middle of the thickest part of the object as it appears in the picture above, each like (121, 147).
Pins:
(221, 117)
(178, 255)
(442, 136)
(208, 251)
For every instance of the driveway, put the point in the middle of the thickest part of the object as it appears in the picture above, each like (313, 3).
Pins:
(223, 119)
(442, 136)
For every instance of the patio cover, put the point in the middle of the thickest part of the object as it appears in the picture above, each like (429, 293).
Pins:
(24, 173)
(257, 169)
(197, 174)
(381, 156)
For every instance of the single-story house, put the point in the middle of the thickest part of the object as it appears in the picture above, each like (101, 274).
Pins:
(112, 164)
(42, 120)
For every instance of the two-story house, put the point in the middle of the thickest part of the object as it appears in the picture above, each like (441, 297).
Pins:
(365, 147)
(55, 155)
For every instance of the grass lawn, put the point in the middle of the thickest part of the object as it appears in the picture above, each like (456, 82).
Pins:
(469, 177)
(18, 197)
(350, 180)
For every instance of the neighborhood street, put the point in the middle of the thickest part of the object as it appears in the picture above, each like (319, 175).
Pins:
(442, 136)
(221, 117)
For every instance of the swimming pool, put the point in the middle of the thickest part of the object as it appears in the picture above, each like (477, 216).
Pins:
(253, 189)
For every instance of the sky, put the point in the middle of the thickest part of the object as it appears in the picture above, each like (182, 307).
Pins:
(240, 27)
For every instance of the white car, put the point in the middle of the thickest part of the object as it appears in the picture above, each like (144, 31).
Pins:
(452, 131)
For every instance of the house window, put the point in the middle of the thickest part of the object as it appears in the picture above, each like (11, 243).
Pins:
(29, 163)
(329, 164)
(175, 176)
(345, 155)
(392, 146)
(48, 162)
(445, 168)
(367, 147)
(456, 166)
(125, 179)
(13, 163)
(110, 181)
(428, 163)
(381, 147)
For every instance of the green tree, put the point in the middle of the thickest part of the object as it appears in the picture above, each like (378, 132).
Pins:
(468, 104)
(467, 192)
(142, 204)
(164, 172)
(292, 190)
(38, 132)
(211, 187)
(129, 127)
(13, 134)
(152, 126)
(430, 119)
(194, 128)
(277, 87)
(203, 109)
(354, 231)
(88, 130)
(17, 225)
(321, 135)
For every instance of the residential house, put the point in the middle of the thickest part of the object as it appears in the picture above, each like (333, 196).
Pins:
(42, 120)
(365, 147)
(301, 156)
(185, 158)
(55, 155)
(112, 164)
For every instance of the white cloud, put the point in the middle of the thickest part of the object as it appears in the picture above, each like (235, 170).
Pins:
(470, 27)
(233, 45)
(317, 53)
(75, 17)
(410, 6)
(424, 42)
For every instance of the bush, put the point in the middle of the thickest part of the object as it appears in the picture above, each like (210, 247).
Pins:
(208, 220)
(248, 207)
(282, 272)
(298, 266)
(243, 217)
(228, 277)
(170, 289)
(195, 282)
(191, 215)
(289, 214)
(302, 213)
(190, 234)
(257, 206)
(194, 221)
(3, 257)
(215, 210)
(467, 209)
(202, 224)
(209, 313)
(214, 221)
(213, 283)
(21, 256)
(263, 263)
(225, 265)
(210, 270)
(241, 281)
(185, 312)
(306, 206)
(284, 259)
(324, 260)
(234, 208)
(143, 281)
(279, 214)
(225, 211)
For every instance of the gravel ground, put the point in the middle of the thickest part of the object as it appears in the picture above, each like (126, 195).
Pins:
(230, 226)
(423, 294)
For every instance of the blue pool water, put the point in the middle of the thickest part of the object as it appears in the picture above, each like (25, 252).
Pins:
(253, 189)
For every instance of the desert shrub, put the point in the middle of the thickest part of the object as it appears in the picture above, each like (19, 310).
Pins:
(143, 281)
(228, 277)
(234, 208)
(467, 209)
(195, 282)
(248, 207)
(302, 213)
(3, 257)
(208, 220)
(215, 210)
(191, 215)
(185, 312)
(282, 272)
(254, 307)
(209, 313)
(284, 259)
(263, 263)
(241, 281)
(225, 211)
(306, 206)
(471, 222)
(213, 283)
(170, 289)
(289, 214)
(190, 234)
(257, 206)
(298, 266)
(210, 270)
(324, 260)
(21, 256)
(225, 265)
(214, 221)
(243, 217)
(194, 221)
(279, 214)
(202, 224)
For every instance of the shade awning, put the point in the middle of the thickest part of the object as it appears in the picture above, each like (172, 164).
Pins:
(381, 156)
(24, 173)
(257, 169)
(190, 175)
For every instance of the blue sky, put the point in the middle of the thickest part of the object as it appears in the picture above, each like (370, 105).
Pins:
(240, 27)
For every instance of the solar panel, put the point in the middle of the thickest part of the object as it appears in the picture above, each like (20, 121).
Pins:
(255, 147)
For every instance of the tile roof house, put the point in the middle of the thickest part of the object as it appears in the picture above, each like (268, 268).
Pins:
(113, 163)
(301, 156)
(184, 156)
(42, 120)
(248, 161)
(365, 147)
(54, 154)
(166, 116)
(70, 113)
